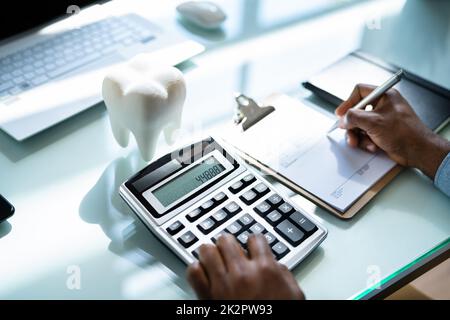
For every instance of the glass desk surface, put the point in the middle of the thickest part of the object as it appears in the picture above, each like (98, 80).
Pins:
(73, 237)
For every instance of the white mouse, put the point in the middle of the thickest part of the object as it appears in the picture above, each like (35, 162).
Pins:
(204, 14)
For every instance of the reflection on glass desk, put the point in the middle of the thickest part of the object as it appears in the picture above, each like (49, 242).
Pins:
(73, 237)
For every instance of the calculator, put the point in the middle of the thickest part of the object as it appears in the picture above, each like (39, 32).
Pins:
(196, 193)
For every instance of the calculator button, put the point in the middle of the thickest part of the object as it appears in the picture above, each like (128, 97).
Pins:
(248, 179)
(234, 228)
(207, 205)
(220, 197)
(196, 252)
(249, 197)
(220, 216)
(262, 208)
(194, 215)
(257, 228)
(285, 208)
(274, 217)
(301, 221)
(275, 199)
(246, 220)
(290, 232)
(232, 208)
(270, 238)
(187, 239)
(207, 225)
(175, 227)
(216, 237)
(280, 250)
(243, 238)
(261, 189)
(236, 187)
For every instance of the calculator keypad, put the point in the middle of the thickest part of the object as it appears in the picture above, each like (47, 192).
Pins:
(249, 208)
(175, 227)
(187, 239)
(206, 207)
(242, 184)
(207, 225)
(274, 217)
(302, 222)
(234, 228)
(249, 197)
(280, 250)
(290, 232)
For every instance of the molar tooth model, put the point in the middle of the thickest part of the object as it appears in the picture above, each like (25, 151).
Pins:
(145, 99)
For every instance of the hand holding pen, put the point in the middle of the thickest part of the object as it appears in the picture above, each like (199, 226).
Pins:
(394, 127)
(374, 95)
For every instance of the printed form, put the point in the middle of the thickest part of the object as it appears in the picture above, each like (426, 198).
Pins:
(293, 141)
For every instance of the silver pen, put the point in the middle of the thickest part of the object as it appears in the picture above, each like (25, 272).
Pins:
(375, 94)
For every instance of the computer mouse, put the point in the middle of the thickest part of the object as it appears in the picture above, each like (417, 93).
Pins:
(204, 14)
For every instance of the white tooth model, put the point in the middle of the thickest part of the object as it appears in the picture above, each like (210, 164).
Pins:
(145, 99)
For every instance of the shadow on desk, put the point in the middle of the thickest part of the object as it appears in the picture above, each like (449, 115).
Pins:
(18, 150)
(129, 237)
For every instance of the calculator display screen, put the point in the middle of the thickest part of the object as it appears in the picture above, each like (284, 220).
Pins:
(188, 181)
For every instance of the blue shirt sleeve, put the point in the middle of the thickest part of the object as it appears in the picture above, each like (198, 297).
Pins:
(442, 178)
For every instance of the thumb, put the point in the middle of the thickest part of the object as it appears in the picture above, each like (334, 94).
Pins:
(359, 119)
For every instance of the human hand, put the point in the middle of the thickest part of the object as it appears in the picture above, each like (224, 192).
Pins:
(394, 127)
(226, 272)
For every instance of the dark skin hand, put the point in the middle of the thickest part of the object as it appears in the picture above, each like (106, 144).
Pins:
(226, 272)
(394, 127)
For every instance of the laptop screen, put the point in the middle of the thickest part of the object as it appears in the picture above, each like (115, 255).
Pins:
(19, 16)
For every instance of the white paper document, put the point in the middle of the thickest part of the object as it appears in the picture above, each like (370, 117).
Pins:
(293, 141)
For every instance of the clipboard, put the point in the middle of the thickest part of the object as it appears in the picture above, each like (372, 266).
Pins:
(249, 114)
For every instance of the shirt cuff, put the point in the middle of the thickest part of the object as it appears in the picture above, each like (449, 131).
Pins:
(442, 178)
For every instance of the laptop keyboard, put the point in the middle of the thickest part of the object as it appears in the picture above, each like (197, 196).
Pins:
(67, 51)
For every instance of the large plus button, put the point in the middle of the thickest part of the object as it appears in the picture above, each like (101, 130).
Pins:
(290, 232)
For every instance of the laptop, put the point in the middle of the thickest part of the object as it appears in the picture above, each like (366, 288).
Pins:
(54, 56)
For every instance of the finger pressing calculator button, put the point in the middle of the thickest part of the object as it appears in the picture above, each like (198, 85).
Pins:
(285, 208)
(187, 239)
(261, 189)
(194, 215)
(246, 220)
(275, 199)
(207, 225)
(207, 205)
(290, 232)
(249, 197)
(270, 238)
(280, 250)
(301, 221)
(274, 217)
(220, 197)
(234, 228)
(243, 238)
(175, 227)
(216, 237)
(262, 208)
(220, 216)
(232, 208)
(257, 228)
(236, 187)
(248, 179)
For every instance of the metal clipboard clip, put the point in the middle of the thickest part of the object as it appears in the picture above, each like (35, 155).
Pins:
(249, 112)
